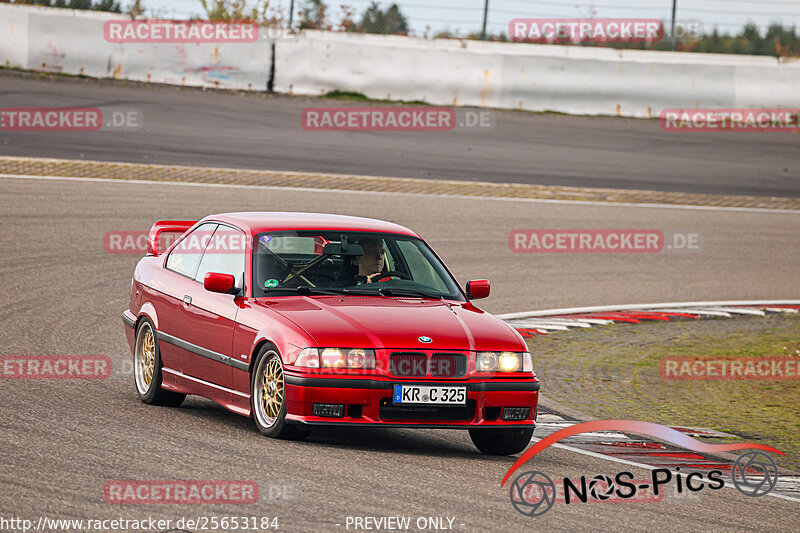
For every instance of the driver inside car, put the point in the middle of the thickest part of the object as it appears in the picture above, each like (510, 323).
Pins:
(370, 265)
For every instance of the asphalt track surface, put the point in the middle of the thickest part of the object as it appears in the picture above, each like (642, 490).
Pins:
(62, 294)
(258, 131)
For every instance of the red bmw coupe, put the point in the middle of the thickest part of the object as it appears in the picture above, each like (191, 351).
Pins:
(300, 319)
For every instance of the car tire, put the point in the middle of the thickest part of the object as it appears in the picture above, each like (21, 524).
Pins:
(268, 397)
(147, 369)
(501, 441)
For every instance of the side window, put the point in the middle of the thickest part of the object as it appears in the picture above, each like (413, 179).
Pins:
(391, 264)
(420, 266)
(185, 257)
(225, 254)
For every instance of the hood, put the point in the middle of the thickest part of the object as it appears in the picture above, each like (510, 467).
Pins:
(395, 323)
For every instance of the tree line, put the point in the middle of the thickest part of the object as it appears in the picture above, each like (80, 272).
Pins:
(776, 41)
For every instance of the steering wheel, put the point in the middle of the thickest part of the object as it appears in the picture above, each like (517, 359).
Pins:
(387, 276)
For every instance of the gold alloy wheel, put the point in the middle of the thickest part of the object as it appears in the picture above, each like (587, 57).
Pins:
(145, 359)
(272, 390)
(148, 359)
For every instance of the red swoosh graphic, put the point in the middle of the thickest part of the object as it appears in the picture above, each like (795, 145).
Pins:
(650, 429)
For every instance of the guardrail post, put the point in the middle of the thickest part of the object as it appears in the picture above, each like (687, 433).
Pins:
(672, 33)
(485, 16)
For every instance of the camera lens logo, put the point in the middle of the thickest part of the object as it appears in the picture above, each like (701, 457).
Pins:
(532, 493)
(601, 487)
(754, 474)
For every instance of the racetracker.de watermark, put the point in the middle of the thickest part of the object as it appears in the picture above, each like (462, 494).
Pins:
(613, 30)
(178, 31)
(21, 119)
(585, 30)
(55, 367)
(135, 241)
(139, 492)
(602, 241)
(739, 368)
(396, 119)
(221, 241)
(730, 119)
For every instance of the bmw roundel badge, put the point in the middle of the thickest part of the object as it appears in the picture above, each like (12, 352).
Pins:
(425, 339)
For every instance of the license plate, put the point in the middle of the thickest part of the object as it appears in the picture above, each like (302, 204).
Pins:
(426, 394)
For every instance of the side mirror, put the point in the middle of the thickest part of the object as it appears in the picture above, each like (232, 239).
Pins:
(217, 282)
(477, 289)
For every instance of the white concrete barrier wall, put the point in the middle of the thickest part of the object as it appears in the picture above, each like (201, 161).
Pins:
(534, 77)
(72, 42)
(567, 79)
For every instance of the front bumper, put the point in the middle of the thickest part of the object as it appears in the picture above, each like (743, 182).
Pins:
(368, 402)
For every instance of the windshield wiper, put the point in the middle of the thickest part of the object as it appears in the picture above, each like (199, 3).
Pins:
(305, 289)
(382, 291)
(394, 291)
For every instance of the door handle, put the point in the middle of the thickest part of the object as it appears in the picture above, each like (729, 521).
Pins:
(187, 300)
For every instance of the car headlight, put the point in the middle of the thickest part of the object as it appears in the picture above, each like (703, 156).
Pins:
(504, 362)
(348, 358)
(486, 362)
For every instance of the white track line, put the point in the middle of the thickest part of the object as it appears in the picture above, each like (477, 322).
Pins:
(693, 311)
(635, 307)
(578, 323)
(736, 311)
(429, 195)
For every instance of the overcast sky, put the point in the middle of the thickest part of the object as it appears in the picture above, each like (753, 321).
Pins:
(466, 15)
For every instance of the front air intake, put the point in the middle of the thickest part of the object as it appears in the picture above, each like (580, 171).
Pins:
(448, 365)
(408, 365)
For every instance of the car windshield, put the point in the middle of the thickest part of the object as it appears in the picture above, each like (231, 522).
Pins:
(348, 263)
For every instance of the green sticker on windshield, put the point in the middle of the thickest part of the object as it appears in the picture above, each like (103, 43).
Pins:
(270, 283)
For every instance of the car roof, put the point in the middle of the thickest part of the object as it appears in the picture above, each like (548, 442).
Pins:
(260, 221)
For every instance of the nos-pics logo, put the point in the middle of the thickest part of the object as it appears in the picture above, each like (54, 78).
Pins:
(533, 493)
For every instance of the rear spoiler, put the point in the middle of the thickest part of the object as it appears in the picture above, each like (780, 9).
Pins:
(166, 226)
